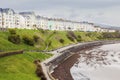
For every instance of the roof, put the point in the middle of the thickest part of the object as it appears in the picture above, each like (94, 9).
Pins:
(6, 10)
(27, 13)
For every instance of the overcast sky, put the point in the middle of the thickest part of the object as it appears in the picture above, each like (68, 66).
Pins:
(97, 11)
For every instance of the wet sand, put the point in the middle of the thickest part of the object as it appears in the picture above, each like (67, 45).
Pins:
(62, 72)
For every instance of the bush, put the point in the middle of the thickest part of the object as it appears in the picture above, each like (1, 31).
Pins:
(14, 38)
(39, 70)
(28, 40)
(36, 38)
(79, 38)
(12, 31)
(71, 36)
(49, 43)
(61, 41)
(42, 31)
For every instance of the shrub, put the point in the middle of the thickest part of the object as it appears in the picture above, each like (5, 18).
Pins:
(49, 43)
(42, 31)
(79, 38)
(28, 40)
(36, 38)
(39, 70)
(14, 38)
(61, 41)
(55, 32)
(71, 36)
(12, 31)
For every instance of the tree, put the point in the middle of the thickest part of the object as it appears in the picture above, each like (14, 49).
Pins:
(71, 36)
(61, 41)
(28, 40)
(12, 31)
(36, 38)
(79, 38)
(13, 37)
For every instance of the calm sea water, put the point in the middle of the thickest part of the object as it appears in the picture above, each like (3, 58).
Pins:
(100, 63)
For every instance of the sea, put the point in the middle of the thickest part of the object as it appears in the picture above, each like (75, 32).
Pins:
(99, 63)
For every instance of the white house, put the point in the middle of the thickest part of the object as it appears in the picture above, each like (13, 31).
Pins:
(85, 26)
(7, 19)
(20, 22)
(1, 18)
(30, 19)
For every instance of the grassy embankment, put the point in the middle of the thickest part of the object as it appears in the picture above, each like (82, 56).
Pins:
(45, 36)
(21, 67)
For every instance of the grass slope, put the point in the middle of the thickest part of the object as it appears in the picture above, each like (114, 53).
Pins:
(20, 67)
(6, 45)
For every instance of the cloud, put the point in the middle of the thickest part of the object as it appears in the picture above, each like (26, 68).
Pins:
(99, 11)
(53, 4)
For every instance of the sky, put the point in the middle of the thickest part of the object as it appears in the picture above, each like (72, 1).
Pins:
(97, 11)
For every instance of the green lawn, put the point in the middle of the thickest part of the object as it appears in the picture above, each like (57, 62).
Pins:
(21, 66)
(6, 45)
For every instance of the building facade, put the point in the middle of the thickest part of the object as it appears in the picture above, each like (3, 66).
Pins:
(29, 20)
(7, 18)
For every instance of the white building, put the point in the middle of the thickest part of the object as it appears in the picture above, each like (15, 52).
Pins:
(7, 18)
(42, 22)
(87, 27)
(110, 30)
(1, 18)
(30, 19)
(20, 22)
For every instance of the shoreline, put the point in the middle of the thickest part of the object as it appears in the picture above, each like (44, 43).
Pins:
(62, 72)
(58, 67)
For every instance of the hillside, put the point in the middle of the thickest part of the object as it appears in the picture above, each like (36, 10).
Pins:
(21, 66)
(45, 37)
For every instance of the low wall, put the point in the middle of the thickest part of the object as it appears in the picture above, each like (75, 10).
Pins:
(4, 54)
